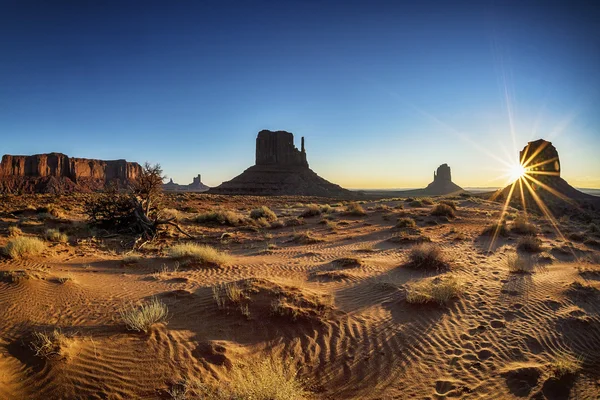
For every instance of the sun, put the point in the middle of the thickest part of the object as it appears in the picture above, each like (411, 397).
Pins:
(517, 172)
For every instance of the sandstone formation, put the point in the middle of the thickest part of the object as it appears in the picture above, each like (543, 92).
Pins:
(442, 183)
(195, 186)
(280, 169)
(542, 180)
(56, 172)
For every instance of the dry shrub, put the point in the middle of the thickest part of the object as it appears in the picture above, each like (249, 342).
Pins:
(312, 210)
(443, 210)
(294, 221)
(268, 379)
(355, 209)
(409, 236)
(196, 253)
(277, 224)
(220, 217)
(415, 203)
(14, 276)
(305, 238)
(491, 230)
(171, 214)
(263, 212)
(565, 364)
(228, 292)
(427, 201)
(520, 264)
(24, 247)
(14, 231)
(326, 208)
(131, 258)
(522, 226)
(529, 244)
(49, 344)
(439, 290)
(427, 257)
(449, 203)
(54, 235)
(406, 223)
(141, 318)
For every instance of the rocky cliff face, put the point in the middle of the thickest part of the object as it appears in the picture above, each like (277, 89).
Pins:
(281, 169)
(58, 172)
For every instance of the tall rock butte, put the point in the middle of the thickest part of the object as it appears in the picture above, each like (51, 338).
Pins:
(280, 169)
(57, 172)
(542, 178)
(442, 184)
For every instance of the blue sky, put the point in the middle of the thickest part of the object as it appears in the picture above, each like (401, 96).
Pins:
(383, 92)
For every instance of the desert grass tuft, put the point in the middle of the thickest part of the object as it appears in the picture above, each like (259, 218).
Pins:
(14, 231)
(522, 226)
(199, 253)
(355, 209)
(520, 264)
(263, 212)
(443, 210)
(406, 222)
(491, 230)
(141, 318)
(530, 244)
(306, 237)
(438, 290)
(312, 210)
(565, 364)
(268, 379)
(427, 257)
(24, 247)
(221, 217)
(54, 235)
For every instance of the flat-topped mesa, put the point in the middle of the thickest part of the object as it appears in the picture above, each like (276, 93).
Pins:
(443, 174)
(277, 148)
(32, 173)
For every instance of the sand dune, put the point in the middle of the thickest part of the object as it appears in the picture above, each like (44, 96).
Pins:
(335, 309)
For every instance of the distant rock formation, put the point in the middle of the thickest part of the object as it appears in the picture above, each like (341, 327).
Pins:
(56, 172)
(542, 177)
(195, 186)
(442, 183)
(281, 169)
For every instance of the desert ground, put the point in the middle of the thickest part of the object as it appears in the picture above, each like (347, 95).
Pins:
(320, 299)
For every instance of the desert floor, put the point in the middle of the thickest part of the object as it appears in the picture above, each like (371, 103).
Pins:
(343, 323)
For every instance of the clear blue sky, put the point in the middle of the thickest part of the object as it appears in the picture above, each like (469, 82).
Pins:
(384, 92)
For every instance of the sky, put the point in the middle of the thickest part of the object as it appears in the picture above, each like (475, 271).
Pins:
(383, 91)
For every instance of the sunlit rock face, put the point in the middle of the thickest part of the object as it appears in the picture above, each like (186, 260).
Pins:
(540, 158)
(280, 169)
(56, 173)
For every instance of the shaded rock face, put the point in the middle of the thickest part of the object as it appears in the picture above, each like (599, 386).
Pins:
(55, 172)
(442, 183)
(277, 148)
(540, 156)
(543, 183)
(442, 174)
(281, 169)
